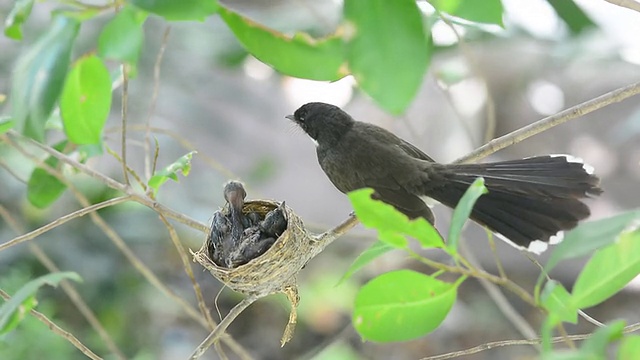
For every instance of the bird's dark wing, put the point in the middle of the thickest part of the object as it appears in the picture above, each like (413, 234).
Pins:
(414, 151)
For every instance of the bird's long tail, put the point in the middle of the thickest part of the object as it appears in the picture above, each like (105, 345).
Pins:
(529, 199)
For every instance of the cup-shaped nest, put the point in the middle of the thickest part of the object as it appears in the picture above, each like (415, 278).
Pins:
(272, 271)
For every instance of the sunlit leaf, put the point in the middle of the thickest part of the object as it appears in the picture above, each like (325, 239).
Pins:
(402, 305)
(595, 347)
(182, 165)
(24, 297)
(485, 11)
(86, 101)
(18, 15)
(6, 124)
(392, 224)
(557, 301)
(367, 256)
(590, 236)
(629, 347)
(300, 56)
(121, 39)
(39, 76)
(462, 212)
(608, 271)
(183, 10)
(387, 49)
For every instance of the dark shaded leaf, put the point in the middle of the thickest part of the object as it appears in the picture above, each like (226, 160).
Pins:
(39, 76)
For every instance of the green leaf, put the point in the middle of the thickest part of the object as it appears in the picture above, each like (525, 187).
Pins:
(392, 224)
(595, 347)
(183, 165)
(16, 318)
(374, 251)
(590, 236)
(183, 10)
(39, 76)
(121, 39)
(43, 189)
(608, 271)
(485, 11)
(629, 347)
(401, 305)
(6, 124)
(576, 19)
(387, 49)
(23, 297)
(17, 17)
(86, 101)
(557, 301)
(299, 56)
(462, 212)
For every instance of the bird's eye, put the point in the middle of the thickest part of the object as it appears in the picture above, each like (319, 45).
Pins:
(301, 118)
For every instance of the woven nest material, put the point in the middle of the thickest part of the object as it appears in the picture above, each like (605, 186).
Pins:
(275, 270)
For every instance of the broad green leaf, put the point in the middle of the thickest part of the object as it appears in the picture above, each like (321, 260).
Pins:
(485, 11)
(392, 224)
(374, 251)
(299, 56)
(608, 271)
(401, 305)
(39, 76)
(43, 189)
(86, 101)
(590, 236)
(576, 19)
(6, 124)
(557, 301)
(595, 346)
(26, 292)
(387, 49)
(629, 347)
(462, 212)
(183, 165)
(15, 19)
(183, 10)
(121, 39)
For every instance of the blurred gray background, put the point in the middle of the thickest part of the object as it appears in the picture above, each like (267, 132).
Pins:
(230, 108)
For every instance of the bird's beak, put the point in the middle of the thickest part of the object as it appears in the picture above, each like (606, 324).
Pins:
(291, 117)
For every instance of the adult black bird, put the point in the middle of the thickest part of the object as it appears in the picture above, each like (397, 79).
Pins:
(529, 199)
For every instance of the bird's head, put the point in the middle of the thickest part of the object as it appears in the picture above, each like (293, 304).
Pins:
(324, 123)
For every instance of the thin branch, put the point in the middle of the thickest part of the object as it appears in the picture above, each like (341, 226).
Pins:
(551, 121)
(629, 4)
(222, 327)
(186, 263)
(62, 220)
(123, 131)
(500, 300)
(496, 344)
(475, 68)
(142, 199)
(66, 286)
(330, 236)
(154, 99)
(58, 330)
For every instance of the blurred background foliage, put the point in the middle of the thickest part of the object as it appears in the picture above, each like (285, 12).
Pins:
(215, 98)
